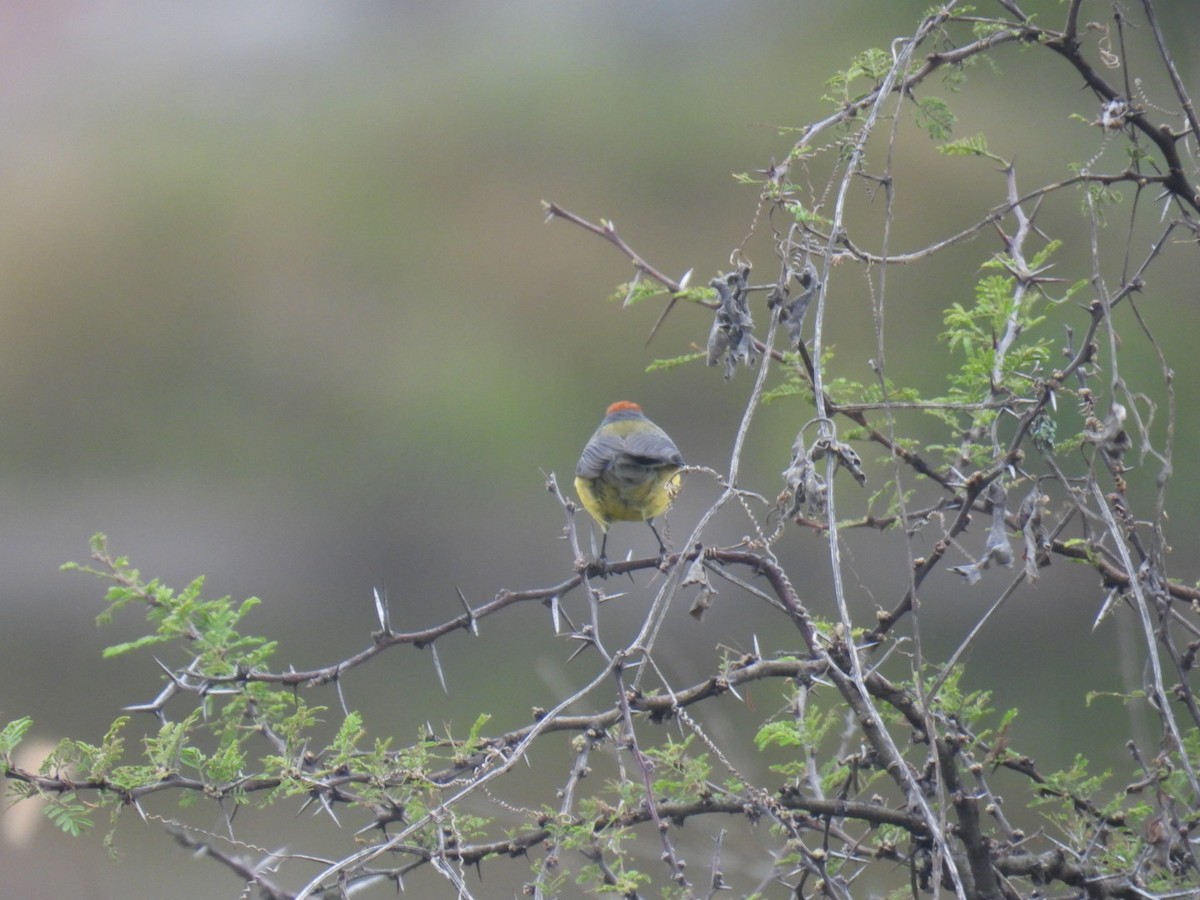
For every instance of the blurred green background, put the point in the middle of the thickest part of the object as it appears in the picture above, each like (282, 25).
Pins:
(279, 307)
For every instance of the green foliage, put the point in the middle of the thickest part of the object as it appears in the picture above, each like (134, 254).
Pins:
(889, 496)
(974, 330)
(848, 392)
(976, 145)
(610, 881)
(224, 765)
(69, 814)
(12, 734)
(1098, 198)
(805, 732)
(344, 746)
(99, 761)
(934, 115)
(1066, 802)
(225, 717)
(171, 749)
(1001, 346)
(986, 28)
(209, 627)
(967, 707)
(679, 775)
(208, 751)
(607, 844)
(871, 64)
(802, 733)
(636, 291)
(662, 365)
(791, 388)
(472, 743)
(1067, 786)
(801, 214)
(632, 292)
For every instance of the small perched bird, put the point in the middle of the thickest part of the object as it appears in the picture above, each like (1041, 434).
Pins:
(629, 471)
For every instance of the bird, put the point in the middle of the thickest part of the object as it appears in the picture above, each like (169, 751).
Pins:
(630, 471)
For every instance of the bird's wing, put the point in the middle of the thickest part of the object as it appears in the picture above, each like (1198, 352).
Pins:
(652, 447)
(598, 455)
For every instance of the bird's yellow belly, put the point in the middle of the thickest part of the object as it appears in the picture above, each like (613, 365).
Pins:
(610, 498)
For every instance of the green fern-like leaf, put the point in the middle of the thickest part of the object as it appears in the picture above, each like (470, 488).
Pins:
(70, 816)
(662, 365)
(934, 115)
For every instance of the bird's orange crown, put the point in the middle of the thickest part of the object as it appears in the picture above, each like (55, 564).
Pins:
(622, 406)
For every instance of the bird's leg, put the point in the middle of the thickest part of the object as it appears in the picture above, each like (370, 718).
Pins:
(662, 548)
(602, 562)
